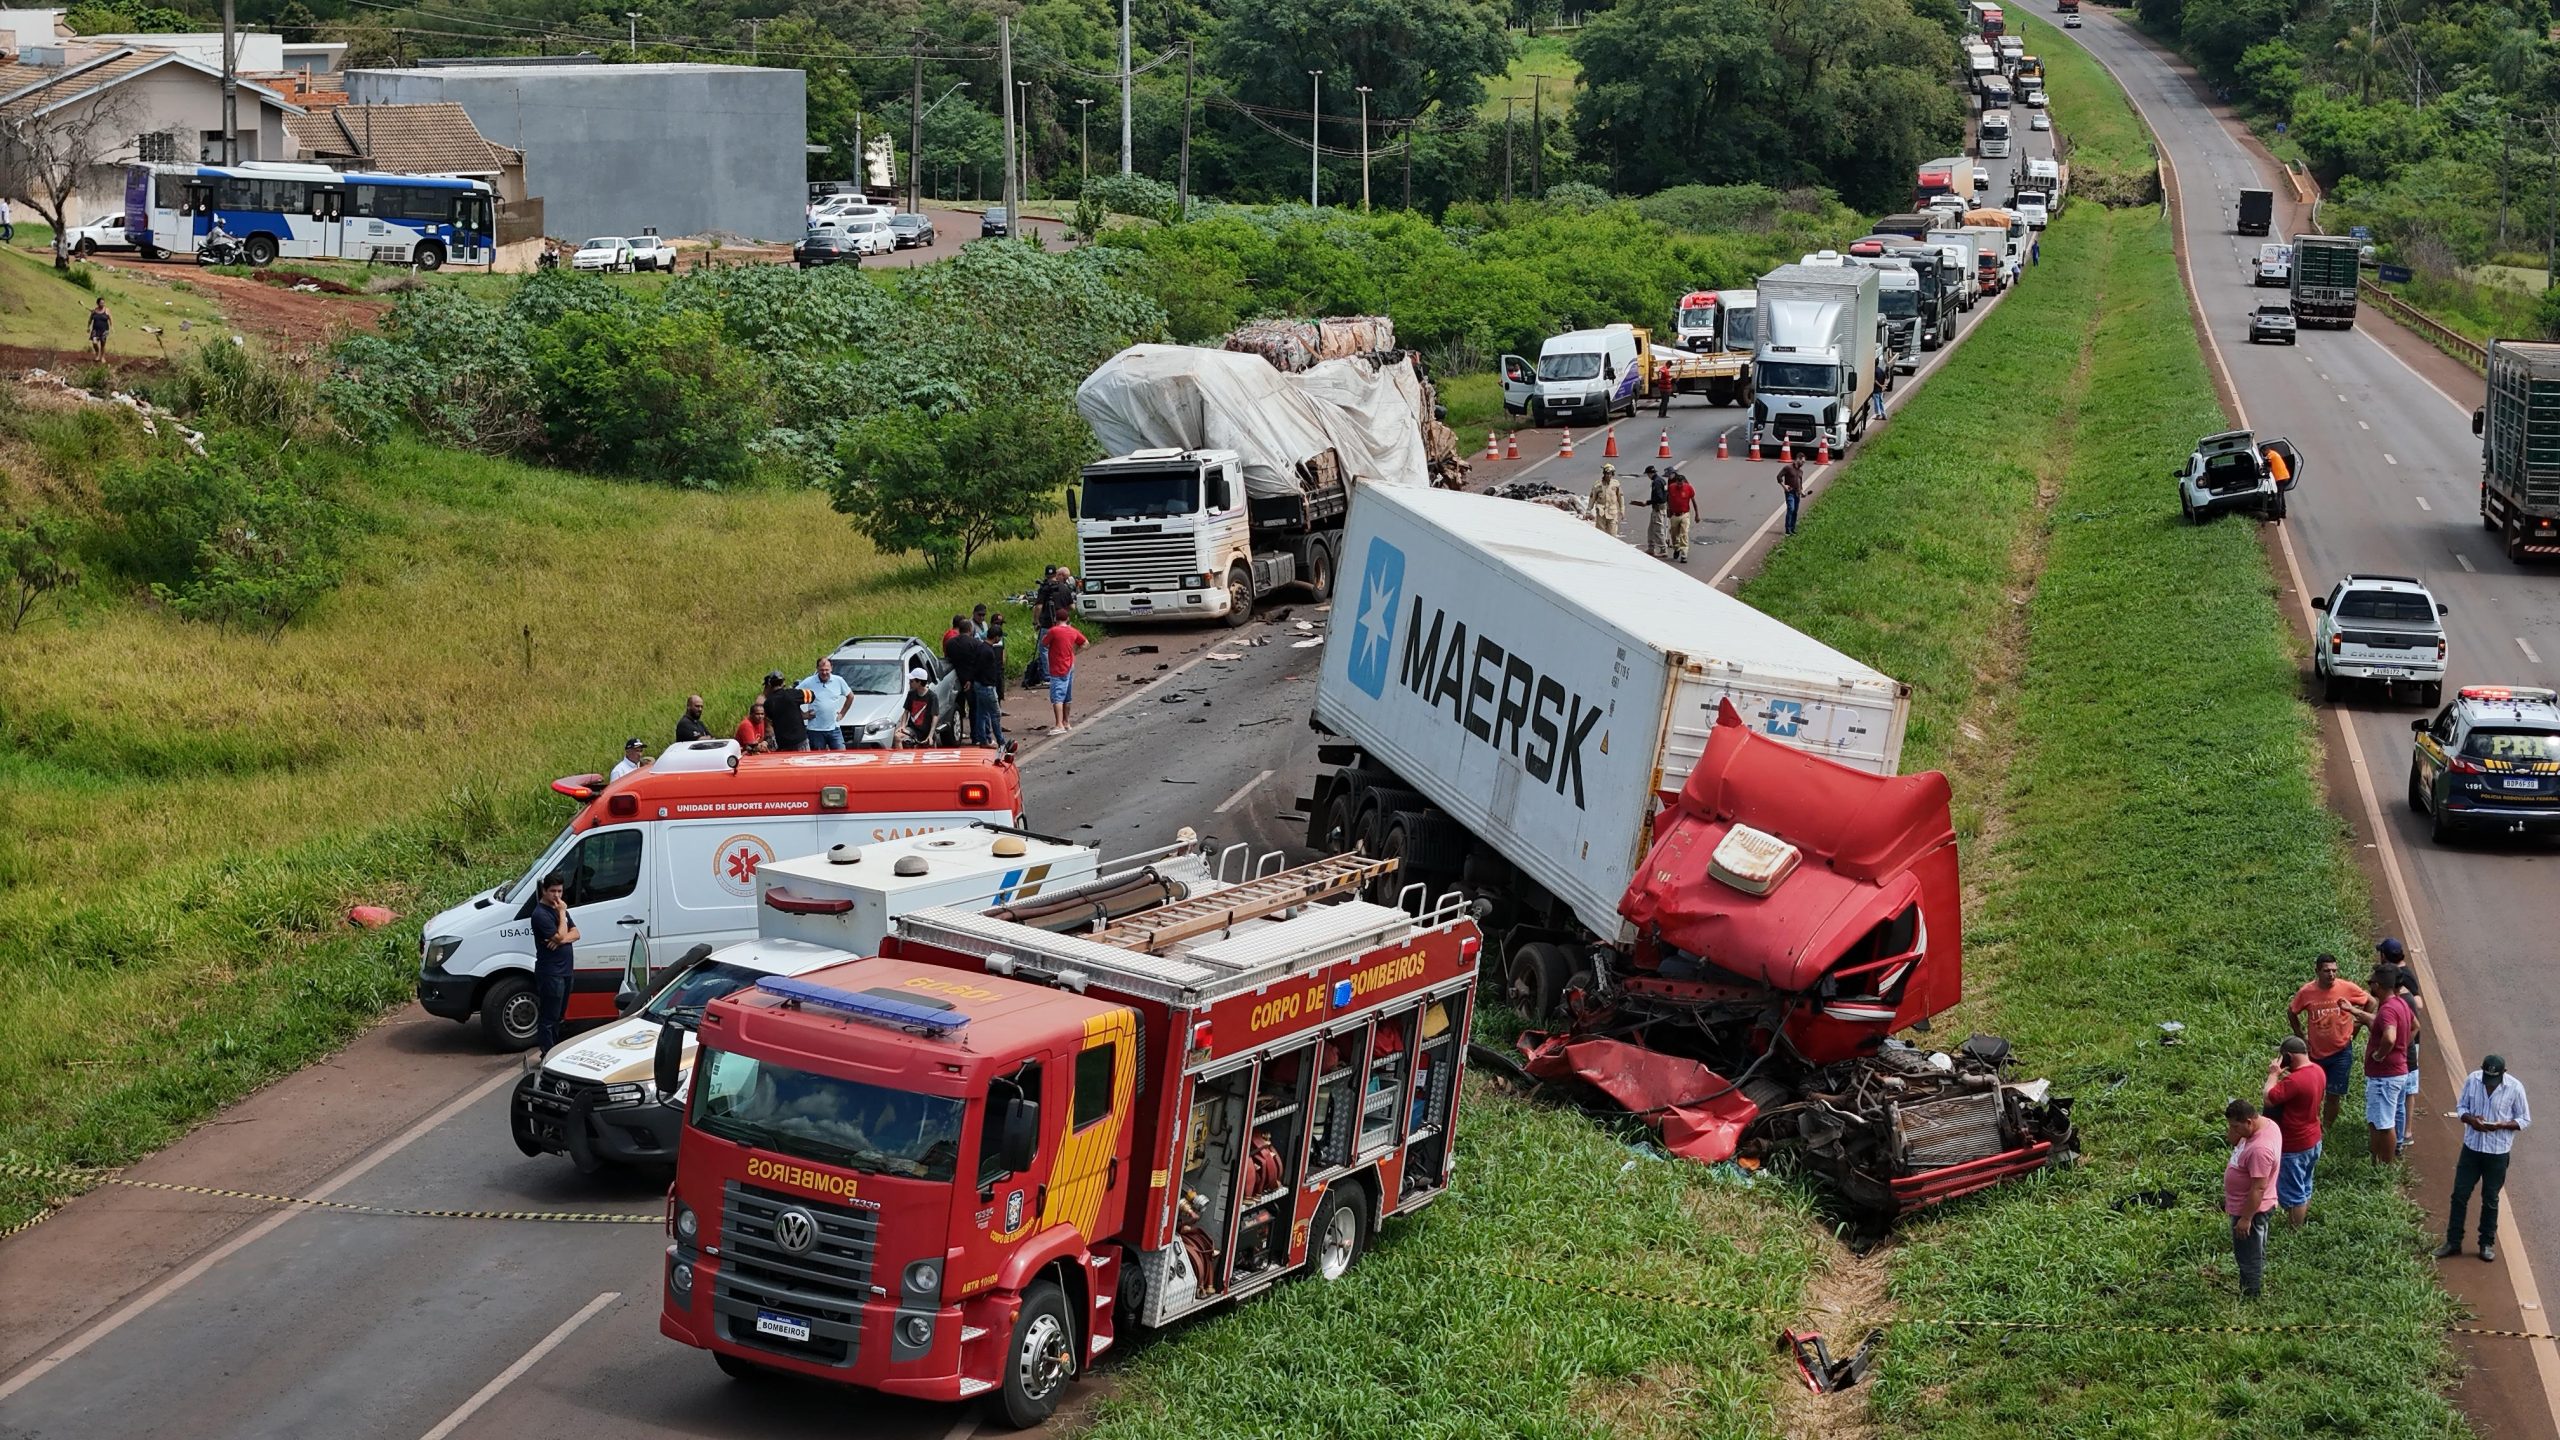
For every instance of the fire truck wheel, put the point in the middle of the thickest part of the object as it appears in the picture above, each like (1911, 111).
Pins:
(1041, 1358)
(1537, 979)
(510, 1014)
(1341, 1231)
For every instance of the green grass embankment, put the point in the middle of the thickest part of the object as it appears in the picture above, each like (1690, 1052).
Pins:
(2104, 141)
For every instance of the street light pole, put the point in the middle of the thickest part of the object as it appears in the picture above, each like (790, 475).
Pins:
(1125, 165)
(1026, 137)
(1364, 149)
(1084, 134)
(633, 16)
(1315, 140)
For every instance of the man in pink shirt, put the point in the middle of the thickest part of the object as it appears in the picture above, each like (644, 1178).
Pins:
(2249, 1188)
(1058, 647)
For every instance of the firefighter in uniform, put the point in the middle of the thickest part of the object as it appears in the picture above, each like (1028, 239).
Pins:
(1608, 502)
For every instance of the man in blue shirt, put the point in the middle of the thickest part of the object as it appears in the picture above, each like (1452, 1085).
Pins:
(829, 698)
(2492, 1110)
(555, 959)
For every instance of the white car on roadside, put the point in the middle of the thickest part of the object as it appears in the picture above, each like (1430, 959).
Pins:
(651, 252)
(870, 235)
(104, 233)
(607, 253)
(2040, 120)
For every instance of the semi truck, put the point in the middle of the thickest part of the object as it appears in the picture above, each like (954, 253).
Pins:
(2257, 212)
(2324, 280)
(1966, 251)
(965, 1168)
(1995, 124)
(1227, 476)
(1817, 360)
(1518, 712)
(1898, 310)
(2519, 430)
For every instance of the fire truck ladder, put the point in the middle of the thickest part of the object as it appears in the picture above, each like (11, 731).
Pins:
(1156, 931)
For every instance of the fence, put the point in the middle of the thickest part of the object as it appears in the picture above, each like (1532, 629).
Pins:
(2452, 342)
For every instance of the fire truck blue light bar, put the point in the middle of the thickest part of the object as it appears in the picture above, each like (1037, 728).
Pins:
(881, 1008)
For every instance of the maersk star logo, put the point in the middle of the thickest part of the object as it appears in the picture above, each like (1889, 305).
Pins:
(1373, 626)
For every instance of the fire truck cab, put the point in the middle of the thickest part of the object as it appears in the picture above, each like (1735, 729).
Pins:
(962, 1168)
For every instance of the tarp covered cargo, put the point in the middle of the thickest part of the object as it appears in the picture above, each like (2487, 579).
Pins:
(1151, 397)
(1295, 345)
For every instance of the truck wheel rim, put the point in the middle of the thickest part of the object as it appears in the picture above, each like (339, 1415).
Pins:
(1341, 1234)
(1043, 1359)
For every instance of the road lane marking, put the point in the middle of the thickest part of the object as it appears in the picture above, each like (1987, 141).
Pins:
(524, 1362)
(2342, 399)
(2422, 502)
(1241, 791)
(43, 1365)
(2389, 459)
(2528, 650)
(2465, 562)
(2364, 425)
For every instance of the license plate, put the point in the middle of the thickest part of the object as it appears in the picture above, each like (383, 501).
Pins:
(783, 1327)
(2521, 784)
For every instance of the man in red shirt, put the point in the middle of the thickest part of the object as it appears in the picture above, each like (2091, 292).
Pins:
(2326, 1013)
(2248, 1188)
(2387, 1076)
(1058, 647)
(2294, 1090)
(1682, 498)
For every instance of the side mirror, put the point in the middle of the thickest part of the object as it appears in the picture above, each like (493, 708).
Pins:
(1074, 494)
(2443, 609)
(2479, 418)
(2417, 727)
(2319, 602)
(668, 1062)
(625, 1000)
(1020, 1144)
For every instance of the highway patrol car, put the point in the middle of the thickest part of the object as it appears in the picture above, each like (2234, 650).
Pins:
(2489, 761)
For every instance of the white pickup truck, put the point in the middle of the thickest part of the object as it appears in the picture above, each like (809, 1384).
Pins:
(650, 251)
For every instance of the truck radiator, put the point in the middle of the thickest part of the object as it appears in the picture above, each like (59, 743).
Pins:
(1950, 1130)
(1139, 562)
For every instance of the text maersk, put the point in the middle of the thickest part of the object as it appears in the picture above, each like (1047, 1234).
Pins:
(1498, 697)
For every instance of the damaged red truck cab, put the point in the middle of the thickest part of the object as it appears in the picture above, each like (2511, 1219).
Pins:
(962, 1169)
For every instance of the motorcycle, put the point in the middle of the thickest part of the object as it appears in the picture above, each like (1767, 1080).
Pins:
(222, 250)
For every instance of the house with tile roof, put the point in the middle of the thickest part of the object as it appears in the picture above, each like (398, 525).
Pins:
(130, 103)
(435, 138)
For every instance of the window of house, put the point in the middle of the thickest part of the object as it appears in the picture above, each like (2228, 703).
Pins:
(160, 147)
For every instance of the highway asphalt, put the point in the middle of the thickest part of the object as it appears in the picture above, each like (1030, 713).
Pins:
(2391, 484)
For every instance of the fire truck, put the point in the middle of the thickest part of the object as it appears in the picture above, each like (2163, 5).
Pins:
(965, 1167)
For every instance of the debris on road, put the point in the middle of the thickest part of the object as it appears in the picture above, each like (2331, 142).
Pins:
(1307, 644)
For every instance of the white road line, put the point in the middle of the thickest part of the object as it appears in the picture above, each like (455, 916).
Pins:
(524, 1362)
(1241, 791)
(2528, 650)
(2389, 459)
(2465, 562)
(2363, 425)
(2342, 399)
(43, 1365)
(2422, 502)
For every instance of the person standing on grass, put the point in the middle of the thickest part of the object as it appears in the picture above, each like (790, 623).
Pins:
(829, 698)
(2294, 1090)
(1058, 647)
(2493, 1112)
(1608, 503)
(2249, 1188)
(689, 725)
(2386, 1064)
(2326, 1013)
(755, 734)
(100, 322)
(555, 959)
(786, 711)
(1681, 498)
(1791, 490)
(2396, 955)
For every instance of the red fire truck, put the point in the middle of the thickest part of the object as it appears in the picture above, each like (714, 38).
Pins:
(964, 1167)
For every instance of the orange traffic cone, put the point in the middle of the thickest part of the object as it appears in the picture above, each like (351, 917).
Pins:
(1665, 452)
(1492, 451)
(1822, 451)
(1513, 446)
(1721, 452)
(1786, 452)
(1567, 452)
(1755, 447)
(1610, 450)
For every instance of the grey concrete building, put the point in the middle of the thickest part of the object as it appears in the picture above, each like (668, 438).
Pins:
(616, 149)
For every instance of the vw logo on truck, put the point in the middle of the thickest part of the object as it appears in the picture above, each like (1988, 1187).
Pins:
(795, 1231)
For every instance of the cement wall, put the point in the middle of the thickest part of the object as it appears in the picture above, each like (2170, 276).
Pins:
(615, 149)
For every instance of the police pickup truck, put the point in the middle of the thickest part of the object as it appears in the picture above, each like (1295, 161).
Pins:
(2489, 761)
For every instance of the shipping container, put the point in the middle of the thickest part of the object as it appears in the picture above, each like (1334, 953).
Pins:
(2519, 432)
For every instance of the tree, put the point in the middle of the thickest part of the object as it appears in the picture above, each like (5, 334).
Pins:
(2360, 57)
(35, 555)
(949, 485)
(45, 153)
(1412, 54)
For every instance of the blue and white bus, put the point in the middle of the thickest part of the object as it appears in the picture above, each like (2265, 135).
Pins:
(311, 212)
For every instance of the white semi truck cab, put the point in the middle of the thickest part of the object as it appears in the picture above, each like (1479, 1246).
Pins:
(1171, 534)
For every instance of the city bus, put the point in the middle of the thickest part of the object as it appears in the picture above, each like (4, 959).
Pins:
(1984, 20)
(311, 212)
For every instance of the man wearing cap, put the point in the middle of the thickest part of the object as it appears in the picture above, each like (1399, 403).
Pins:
(2294, 1089)
(634, 755)
(2492, 1110)
(1608, 503)
(917, 717)
(829, 698)
(784, 717)
(2325, 1014)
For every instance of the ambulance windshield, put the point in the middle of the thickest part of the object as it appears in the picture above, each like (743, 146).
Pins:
(821, 1118)
(522, 887)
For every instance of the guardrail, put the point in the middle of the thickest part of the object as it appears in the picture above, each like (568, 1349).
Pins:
(2452, 342)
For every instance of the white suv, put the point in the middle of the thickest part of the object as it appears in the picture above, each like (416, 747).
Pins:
(2379, 627)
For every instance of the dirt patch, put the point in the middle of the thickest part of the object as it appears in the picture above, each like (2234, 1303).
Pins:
(1655, 1403)
(1844, 1300)
(297, 280)
(286, 317)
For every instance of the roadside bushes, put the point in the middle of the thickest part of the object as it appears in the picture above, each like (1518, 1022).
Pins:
(658, 395)
(230, 537)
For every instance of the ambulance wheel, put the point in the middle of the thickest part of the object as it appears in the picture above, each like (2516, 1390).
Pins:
(1536, 979)
(1040, 1359)
(745, 1371)
(1341, 1232)
(510, 1013)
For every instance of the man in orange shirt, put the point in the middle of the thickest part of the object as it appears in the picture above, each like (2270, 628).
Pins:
(2326, 1013)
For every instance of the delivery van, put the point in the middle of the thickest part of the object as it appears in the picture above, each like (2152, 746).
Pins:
(673, 849)
(1583, 377)
(592, 1100)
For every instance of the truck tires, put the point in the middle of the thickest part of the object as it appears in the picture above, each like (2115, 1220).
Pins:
(1040, 1360)
(1320, 570)
(1397, 839)
(1536, 979)
(510, 1014)
(1341, 1231)
(1239, 596)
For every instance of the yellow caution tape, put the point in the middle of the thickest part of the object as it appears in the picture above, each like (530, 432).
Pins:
(15, 1171)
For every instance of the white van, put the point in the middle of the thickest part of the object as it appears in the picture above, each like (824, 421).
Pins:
(593, 1099)
(1582, 377)
(674, 847)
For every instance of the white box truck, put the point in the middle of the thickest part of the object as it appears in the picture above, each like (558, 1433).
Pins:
(1817, 363)
(1519, 695)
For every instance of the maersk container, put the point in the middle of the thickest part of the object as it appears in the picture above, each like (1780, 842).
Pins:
(1549, 688)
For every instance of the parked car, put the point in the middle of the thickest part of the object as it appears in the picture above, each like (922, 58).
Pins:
(876, 666)
(845, 210)
(825, 247)
(104, 233)
(2379, 627)
(649, 252)
(2489, 760)
(2225, 473)
(2273, 321)
(871, 235)
(2041, 120)
(911, 230)
(994, 224)
(604, 253)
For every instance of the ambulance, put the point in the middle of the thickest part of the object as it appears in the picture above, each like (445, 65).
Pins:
(672, 849)
(592, 1099)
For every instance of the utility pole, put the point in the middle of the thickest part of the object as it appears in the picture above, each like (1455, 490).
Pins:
(1315, 140)
(1125, 164)
(633, 18)
(230, 90)
(1183, 192)
(1026, 137)
(1004, 59)
(1084, 136)
(1364, 148)
(1537, 136)
(915, 127)
(1508, 101)
(755, 54)
(1408, 161)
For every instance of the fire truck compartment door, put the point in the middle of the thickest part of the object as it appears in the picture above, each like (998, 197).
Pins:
(1093, 1144)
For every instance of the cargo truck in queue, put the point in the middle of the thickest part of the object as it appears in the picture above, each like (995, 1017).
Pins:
(2324, 281)
(2519, 430)
(1817, 363)
(1518, 713)
(969, 1166)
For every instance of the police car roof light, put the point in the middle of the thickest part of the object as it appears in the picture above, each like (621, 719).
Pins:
(2542, 693)
(906, 1014)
